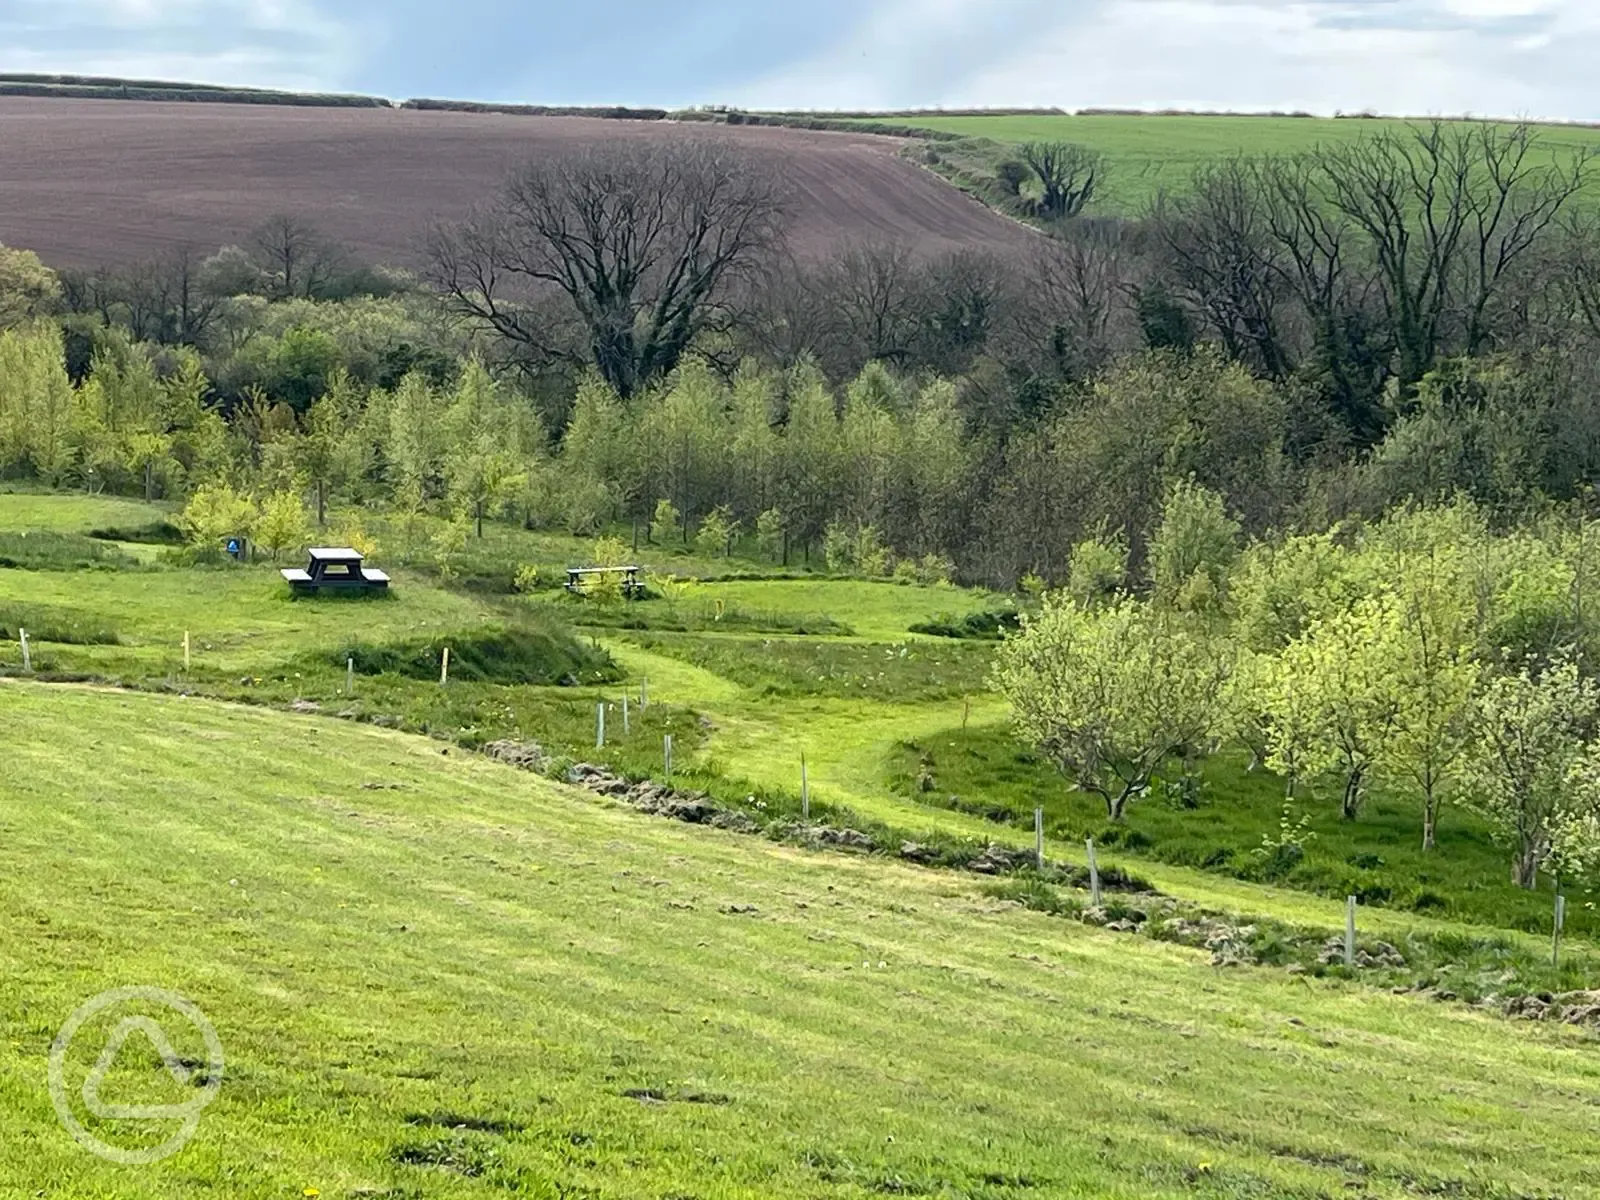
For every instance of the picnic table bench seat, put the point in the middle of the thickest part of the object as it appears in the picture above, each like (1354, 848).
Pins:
(632, 585)
(335, 568)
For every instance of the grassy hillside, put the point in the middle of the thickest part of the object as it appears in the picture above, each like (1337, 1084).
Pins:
(433, 975)
(1151, 153)
(899, 730)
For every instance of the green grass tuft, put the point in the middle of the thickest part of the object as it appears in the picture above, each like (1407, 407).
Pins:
(532, 654)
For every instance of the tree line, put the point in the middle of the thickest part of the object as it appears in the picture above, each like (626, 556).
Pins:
(1427, 652)
(1313, 337)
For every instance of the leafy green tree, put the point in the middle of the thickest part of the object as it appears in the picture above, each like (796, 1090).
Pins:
(597, 457)
(1427, 644)
(770, 535)
(808, 476)
(1194, 548)
(755, 446)
(871, 556)
(1529, 772)
(37, 404)
(447, 545)
(28, 288)
(1111, 695)
(665, 522)
(869, 446)
(684, 439)
(1280, 588)
(934, 461)
(213, 513)
(483, 464)
(146, 452)
(331, 451)
(717, 533)
(1335, 700)
(1098, 568)
(282, 524)
(414, 441)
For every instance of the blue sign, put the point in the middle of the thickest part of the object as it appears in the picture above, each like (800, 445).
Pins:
(233, 546)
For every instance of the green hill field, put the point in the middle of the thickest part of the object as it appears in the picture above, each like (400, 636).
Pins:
(435, 974)
(1149, 154)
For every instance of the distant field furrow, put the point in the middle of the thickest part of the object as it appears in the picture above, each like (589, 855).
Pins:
(91, 182)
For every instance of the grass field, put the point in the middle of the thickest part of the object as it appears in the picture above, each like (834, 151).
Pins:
(437, 975)
(1151, 153)
(471, 982)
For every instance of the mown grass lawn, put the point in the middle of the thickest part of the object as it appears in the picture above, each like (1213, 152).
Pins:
(434, 976)
(76, 513)
(743, 707)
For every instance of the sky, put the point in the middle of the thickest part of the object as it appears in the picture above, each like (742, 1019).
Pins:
(1524, 58)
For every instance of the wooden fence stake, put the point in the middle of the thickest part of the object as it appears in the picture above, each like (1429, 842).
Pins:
(444, 668)
(600, 725)
(27, 655)
(666, 753)
(1561, 920)
(186, 651)
(1350, 932)
(1094, 875)
(1038, 838)
(966, 712)
(350, 677)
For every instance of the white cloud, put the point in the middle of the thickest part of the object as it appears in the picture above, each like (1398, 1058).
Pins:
(283, 43)
(1504, 57)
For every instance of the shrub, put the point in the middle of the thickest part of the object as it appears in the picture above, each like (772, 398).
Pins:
(988, 626)
(58, 552)
(63, 626)
(215, 512)
(157, 533)
(530, 654)
(1012, 174)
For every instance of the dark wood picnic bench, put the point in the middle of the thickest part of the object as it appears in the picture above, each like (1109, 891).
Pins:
(632, 585)
(336, 569)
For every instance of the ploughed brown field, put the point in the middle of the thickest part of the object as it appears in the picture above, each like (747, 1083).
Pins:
(91, 182)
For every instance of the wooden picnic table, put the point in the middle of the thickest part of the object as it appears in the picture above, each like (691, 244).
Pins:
(632, 585)
(335, 568)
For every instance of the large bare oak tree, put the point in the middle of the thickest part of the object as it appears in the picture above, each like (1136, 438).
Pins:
(641, 243)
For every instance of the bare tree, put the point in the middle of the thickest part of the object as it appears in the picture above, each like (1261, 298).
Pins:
(969, 301)
(1079, 313)
(875, 303)
(1578, 271)
(193, 303)
(1446, 211)
(295, 256)
(642, 241)
(1068, 176)
(1219, 244)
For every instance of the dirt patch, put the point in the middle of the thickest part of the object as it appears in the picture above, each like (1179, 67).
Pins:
(675, 1096)
(449, 1120)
